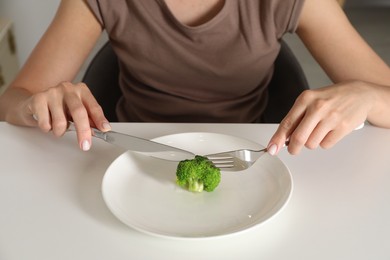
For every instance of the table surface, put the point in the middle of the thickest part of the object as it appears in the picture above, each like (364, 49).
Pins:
(52, 207)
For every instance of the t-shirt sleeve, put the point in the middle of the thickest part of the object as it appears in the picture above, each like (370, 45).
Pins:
(286, 15)
(95, 8)
(111, 14)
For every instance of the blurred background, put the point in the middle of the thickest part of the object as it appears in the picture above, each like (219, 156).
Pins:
(372, 20)
(370, 17)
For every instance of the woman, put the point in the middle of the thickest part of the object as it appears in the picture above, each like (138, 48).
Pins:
(199, 60)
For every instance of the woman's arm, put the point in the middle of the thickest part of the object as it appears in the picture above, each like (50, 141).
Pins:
(43, 88)
(361, 92)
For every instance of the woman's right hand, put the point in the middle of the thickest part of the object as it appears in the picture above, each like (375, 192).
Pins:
(37, 90)
(51, 110)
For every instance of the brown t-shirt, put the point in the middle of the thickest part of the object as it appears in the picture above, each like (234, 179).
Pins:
(215, 72)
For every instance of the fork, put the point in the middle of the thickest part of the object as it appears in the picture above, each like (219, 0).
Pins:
(240, 160)
(237, 160)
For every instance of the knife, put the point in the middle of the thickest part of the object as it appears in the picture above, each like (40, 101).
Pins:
(140, 145)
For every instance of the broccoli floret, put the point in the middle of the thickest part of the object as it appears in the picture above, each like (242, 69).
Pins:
(198, 174)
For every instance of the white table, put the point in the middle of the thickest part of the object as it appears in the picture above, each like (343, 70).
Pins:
(52, 208)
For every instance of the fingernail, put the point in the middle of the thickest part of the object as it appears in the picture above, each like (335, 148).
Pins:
(86, 145)
(272, 149)
(360, 126)
(106, 126)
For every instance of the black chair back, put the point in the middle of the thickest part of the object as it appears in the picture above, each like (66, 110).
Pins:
(287, 83)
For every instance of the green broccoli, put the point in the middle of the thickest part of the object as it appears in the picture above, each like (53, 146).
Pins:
(198, 174)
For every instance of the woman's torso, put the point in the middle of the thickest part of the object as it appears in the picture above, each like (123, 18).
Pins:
(212, 67)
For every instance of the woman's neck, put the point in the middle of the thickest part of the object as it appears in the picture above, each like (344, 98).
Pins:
(195, 12)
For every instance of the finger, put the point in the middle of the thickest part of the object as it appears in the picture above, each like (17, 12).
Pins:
(332, 138)
(281, 135)
(286, 128)
(30, 113)
(338, 133)
(310, 128)
(58, 117)
(328, 134)
(40, 112)
(300, 136)
(80, 118)
(318, 135)
(95, 111)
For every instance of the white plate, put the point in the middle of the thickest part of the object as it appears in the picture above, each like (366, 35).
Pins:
(142, 193)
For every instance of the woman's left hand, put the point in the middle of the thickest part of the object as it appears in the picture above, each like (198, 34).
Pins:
(322, 117)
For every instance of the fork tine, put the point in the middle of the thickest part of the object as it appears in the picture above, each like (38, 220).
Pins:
(222, 163)
(222, 160)
(236, 160)
(226, 161)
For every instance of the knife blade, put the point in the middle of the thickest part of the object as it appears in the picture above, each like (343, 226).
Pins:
(140, 145)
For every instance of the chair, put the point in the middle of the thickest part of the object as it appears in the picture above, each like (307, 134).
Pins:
(101, 77)
(287, 83)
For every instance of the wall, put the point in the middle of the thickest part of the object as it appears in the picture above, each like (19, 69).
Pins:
(30, 19)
